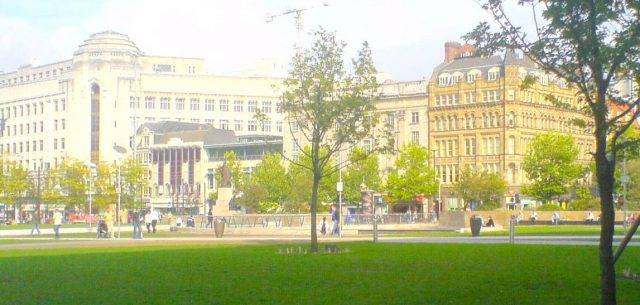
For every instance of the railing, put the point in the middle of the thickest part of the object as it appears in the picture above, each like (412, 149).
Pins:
(302, 220)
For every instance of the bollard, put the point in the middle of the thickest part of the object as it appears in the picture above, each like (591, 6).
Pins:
(512, 230)
(375, 228)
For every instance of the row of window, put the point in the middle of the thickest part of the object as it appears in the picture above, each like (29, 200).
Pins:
(30, 146)
(29, 128)
(488, 96)
(33, 76)
(452, 122)
(32, 108)
(446, 79)
(209, 104)
(449, 148)
(450, 173)
(238, 125)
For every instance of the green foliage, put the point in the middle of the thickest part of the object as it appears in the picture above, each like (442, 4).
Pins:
(69, 183)
(549, 207)
(103, 186)
(267, 207)
(633, 189)
(413, 175)
(485, 188)
(237, 175)
(551, 166)
(363, 170)
(134, 175)
(301, 181)
(272, 175)
(15, 182)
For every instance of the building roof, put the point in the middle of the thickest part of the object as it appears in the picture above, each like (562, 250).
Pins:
(482, 63)
(164, 131)
(162, 127)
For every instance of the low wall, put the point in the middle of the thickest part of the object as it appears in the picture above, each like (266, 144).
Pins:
(502, 217)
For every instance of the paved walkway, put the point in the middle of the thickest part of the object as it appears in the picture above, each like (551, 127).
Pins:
(127, 242)
(63, 230)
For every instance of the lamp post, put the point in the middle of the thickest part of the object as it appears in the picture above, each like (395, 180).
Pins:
(92, 168)
(121, 152)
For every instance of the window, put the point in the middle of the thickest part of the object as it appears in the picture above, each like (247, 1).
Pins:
(279, 126)
(252, 126)
(41, 145)
(266, 107)
(279, 107)
(238, 125)
(149, 102)
(470, 147)
(55, 125)
(195, 104)
(195, 120)
(493, 74)
(209, 121)
(415, 137)
(415, 117)
(208, 105)
(180, 104)
(224, 105)
(224, 124)
(470, 97)
(63, 103)
(443, 80)
(55, 144)
(164, 103)
(41, 126)
(251, 106)
(238, 106)
(61, 143)
(266, 126)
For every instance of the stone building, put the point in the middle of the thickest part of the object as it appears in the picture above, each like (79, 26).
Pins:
(481, 116)
(82, 107)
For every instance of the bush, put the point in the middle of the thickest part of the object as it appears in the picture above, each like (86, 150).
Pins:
(585, 204)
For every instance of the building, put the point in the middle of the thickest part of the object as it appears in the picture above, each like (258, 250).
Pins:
(482, 117)
(183, 158)
(84, 106)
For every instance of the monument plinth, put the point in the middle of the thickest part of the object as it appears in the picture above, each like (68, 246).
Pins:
(222, 203)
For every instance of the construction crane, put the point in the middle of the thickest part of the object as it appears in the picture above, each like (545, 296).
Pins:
(297, 12)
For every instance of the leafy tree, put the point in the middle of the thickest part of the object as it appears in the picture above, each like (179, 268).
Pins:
(104, 186)
(551, 166)
(363, 170)
(331, 108)
(633, 189)
(590, 44)
(272, 175)
(69, 181)
(413, 175)
(301, 180)
(134, 175)
(15, 183)
(484, 188)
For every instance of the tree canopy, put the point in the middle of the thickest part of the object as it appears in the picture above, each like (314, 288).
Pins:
(413, 175)
(485, 189)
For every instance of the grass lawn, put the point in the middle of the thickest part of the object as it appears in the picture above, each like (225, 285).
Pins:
(158, 234)
(369, 274)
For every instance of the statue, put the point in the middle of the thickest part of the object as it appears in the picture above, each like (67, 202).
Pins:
(226, 175)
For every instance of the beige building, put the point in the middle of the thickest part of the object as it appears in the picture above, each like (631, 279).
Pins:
(83, 106)
(480, 116)
(183, 158)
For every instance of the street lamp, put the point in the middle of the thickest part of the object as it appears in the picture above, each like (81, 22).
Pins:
(121, 152)
(92, 168)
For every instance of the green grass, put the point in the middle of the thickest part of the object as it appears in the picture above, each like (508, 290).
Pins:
(21, 241)
(158, 234)
(369, 274)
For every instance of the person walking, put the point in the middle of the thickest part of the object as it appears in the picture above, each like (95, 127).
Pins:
(137, 227)
(36, 222)
(108, 221)
(147, 221)
(210, 219)
(154, 219)
(335, 217)
(323, 226)
(57, 222)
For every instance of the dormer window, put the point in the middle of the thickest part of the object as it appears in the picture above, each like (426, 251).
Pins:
(444, 80)
(493, 74)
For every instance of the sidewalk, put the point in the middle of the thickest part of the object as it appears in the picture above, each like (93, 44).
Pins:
(63, 230)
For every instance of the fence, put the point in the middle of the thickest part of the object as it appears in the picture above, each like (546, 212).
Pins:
(301, 220)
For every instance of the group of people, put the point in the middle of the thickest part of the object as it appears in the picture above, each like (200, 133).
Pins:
(57, 218)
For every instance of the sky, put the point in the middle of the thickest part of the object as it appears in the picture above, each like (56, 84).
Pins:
(407, 37)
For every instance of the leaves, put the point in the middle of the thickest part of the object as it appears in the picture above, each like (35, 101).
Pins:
(484, 188)
(413, 175)
(551, 166)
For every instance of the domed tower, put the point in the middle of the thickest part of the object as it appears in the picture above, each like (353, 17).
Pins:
(106, 69)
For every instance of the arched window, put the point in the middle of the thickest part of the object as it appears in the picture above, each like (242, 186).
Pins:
(511, 120)
(511, 145)
(493, 74)
(473, 75)
(456, 77)
(497, 120)
(444, 79)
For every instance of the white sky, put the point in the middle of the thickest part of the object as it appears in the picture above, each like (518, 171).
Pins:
(406, 37)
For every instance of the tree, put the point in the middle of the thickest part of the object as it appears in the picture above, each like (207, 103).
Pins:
(301, 180)
(551, 166)
(15, 183)
(69, 182)
(590, 44)
(104, 186)
(633, 189)
(363, 170)
(484, 188)
(267, 184)
(237, 175)
(331, 109)
(134, 180)
(413, 175)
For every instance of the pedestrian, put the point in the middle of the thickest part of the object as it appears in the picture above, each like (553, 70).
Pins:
(154, 219)
(108, 221)
(210, 219)
(137, 227)
(534, 217)
(147, 221)
(36, 222)
(555, 218)
(323, 226)
(335, 218)
(57, 222)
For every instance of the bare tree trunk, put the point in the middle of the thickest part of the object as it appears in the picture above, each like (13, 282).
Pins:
(605, 175)
(314, 212)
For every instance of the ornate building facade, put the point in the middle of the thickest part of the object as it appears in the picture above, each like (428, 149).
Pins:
(481, 116)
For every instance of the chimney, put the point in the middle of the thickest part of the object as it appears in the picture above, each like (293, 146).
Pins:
(451, 50)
